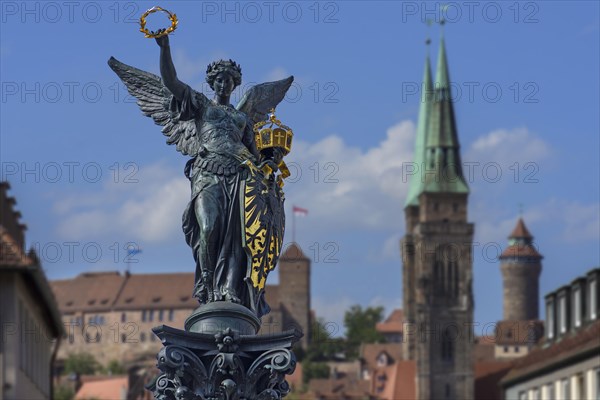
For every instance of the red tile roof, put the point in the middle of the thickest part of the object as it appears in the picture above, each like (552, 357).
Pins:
(292, 252)
(519, 332)
(105, 291)
(488, 375)
(93, 291)
(393, 324)
(11, 254)
(520, 250)
(114, 388)
(369, 353)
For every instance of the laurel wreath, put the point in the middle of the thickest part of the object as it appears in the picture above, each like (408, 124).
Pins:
(149, 34)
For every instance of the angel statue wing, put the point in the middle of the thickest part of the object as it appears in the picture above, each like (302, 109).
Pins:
(260, 99)
(154, 100)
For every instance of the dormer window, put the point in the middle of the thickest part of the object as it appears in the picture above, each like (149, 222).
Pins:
(577, 306)
(550, 319)
(382, 360)
(593, 299)
(562, 314)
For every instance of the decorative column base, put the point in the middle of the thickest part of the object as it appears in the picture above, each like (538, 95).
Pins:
(225, 365)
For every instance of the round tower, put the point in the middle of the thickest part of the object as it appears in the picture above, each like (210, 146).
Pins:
(521, 265)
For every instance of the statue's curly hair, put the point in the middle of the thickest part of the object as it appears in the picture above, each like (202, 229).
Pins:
(229, 66)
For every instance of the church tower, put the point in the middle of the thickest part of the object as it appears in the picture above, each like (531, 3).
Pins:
(437, 259)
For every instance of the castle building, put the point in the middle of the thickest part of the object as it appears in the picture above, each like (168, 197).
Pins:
(437, 259)
(111, 315)
(29, 318)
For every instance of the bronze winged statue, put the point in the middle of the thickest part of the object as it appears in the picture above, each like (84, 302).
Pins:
(234, 222)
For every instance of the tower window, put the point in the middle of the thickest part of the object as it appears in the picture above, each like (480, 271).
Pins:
(455, 207)
(436, 206)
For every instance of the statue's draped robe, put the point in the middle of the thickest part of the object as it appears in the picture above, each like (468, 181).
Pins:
(212, 220)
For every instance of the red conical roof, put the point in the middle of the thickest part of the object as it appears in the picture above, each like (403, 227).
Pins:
(520, 231)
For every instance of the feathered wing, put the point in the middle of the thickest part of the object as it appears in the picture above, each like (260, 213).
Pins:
(154, 99)
(260, 99)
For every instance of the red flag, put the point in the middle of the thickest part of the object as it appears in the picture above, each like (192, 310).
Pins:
(302, 212)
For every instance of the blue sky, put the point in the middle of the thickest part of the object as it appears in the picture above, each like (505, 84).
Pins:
(526, 88)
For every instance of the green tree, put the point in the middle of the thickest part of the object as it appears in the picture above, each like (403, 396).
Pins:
(63, 392)
(323, 346)
(360, 327)
(114, 367)
(81, 363)
(314, 370)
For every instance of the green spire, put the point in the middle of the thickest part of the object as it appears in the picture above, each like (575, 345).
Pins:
(416, 181)
(443, 164)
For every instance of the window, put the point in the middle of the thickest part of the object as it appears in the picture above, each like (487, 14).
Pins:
(123, 317)
(535, 394)
(550, 391)
(151, 315)
(565, 389)
(581, 387)
(516, 349)
(550, 319)
(161, 315)
(562, 307)
(598, 384)
(447, 346)
(577, 307)
(593, 299)
(171, 315)
(506, 349)
(522, 395)
(142, 337)
(123, 338)
(144, 316)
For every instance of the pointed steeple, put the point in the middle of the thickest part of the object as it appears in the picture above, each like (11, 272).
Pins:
(416, 181)
(443, 172)
(520, 231)
(520, 244)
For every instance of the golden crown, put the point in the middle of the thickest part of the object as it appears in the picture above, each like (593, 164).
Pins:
(275, 134)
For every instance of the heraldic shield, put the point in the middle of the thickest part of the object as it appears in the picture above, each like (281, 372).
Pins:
(263, 227)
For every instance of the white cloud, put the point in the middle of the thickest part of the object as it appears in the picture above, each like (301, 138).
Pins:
(276, 74)
(345, 187)
(507, 146)
(571, 221)
(149, 210)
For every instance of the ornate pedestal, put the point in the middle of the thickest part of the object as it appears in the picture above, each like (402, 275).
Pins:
(222, 360)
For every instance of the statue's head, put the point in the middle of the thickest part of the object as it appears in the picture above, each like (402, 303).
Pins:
(223, 76)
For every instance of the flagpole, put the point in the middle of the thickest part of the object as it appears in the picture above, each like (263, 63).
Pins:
(293, 225)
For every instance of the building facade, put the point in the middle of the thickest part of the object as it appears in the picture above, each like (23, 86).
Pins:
(565, 365)
(29, 317)
(111, 315)
(437, 259)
